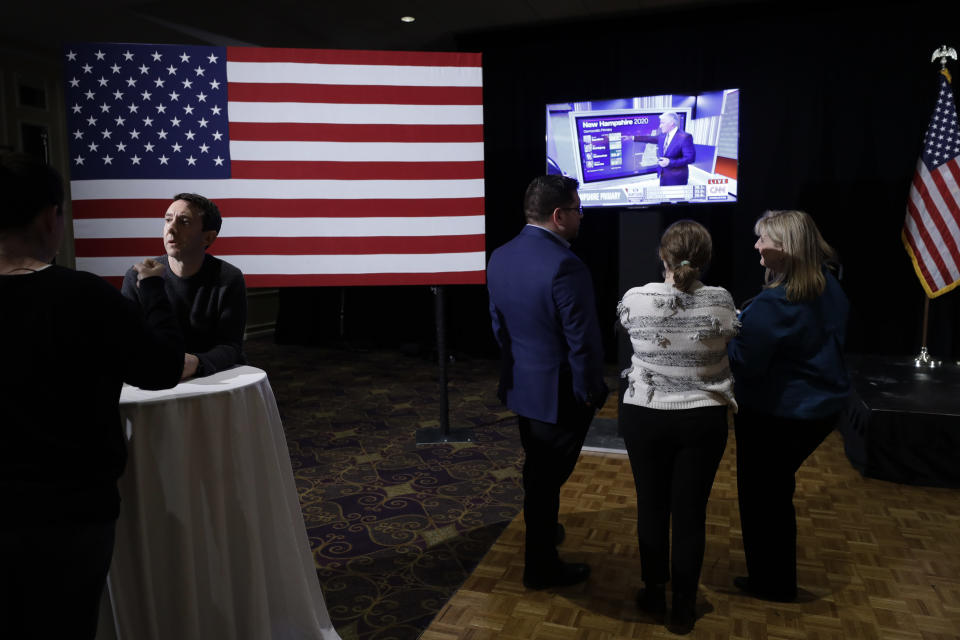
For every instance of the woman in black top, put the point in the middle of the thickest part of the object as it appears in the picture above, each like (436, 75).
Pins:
(70, 342)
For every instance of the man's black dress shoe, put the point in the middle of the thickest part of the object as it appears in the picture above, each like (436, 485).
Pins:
(775, 595)
(683, 614)
(563, 574)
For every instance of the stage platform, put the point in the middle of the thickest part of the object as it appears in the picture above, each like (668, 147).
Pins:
(903, 422)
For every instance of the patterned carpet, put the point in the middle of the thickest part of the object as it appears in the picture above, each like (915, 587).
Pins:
(395, 528)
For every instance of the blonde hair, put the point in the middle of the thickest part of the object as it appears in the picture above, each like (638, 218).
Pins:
(804, 253)
(686, 247)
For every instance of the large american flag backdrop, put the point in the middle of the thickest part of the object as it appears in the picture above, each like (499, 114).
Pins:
(329, 167)
(931, 231)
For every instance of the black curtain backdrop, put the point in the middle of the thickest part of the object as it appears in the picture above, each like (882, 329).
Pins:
(833, 108)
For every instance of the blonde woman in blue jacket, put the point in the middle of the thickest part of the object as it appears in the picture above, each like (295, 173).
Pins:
(791, 385)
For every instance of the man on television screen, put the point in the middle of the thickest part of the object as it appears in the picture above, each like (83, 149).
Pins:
(675, 150)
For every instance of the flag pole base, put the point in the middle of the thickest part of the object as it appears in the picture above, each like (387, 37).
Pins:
(925, 360)
(436, 435)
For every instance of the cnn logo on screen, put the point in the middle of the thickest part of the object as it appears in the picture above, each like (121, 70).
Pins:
(717, 188)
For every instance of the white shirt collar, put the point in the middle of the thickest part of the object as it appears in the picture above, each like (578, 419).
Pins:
(669, 138)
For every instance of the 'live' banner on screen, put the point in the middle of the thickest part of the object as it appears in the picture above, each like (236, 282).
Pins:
(329, 167)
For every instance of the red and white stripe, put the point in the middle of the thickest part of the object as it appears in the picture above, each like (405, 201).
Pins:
(348, 168)
(931, 231)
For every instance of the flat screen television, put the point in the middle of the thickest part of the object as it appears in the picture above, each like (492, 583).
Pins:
(624, 157)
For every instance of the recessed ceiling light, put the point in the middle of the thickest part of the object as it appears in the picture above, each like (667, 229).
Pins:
(407, 19)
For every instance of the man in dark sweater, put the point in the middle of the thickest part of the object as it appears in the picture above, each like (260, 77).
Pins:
(208, 295)
(70, 341)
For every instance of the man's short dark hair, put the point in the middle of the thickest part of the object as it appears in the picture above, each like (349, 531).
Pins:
(28, 186)
(545, 194)
(212, 221)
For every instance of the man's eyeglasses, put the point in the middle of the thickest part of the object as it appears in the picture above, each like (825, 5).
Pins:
(579, 209)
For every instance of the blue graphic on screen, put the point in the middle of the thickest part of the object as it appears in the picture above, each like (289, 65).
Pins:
(607, 147)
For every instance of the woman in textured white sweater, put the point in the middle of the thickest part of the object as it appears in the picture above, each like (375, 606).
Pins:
(674, 413)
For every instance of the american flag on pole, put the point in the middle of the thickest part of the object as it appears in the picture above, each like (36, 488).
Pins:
(931, 232)
(329, 167)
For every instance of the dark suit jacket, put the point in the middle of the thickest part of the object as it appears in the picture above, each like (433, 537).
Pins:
(681, 153)
(545, 320)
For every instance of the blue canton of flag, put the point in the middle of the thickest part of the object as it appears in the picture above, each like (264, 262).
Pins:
(147, 111)
(942, 141)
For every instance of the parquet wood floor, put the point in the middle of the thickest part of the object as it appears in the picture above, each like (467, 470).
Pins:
(875, 560)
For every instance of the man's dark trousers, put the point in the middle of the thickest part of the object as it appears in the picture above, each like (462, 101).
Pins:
(552, 450)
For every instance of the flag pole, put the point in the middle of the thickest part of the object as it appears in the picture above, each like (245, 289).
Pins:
(442, 434)
(941, 55)
(924, 359)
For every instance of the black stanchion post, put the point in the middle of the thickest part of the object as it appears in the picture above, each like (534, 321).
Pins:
(434, 435)
(439, 308)
(343, 310)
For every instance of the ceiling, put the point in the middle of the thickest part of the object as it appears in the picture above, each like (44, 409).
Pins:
(44, 25)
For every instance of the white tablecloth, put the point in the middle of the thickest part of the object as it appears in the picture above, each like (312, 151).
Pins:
(211, 542)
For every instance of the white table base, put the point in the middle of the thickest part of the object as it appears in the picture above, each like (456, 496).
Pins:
(211, 541)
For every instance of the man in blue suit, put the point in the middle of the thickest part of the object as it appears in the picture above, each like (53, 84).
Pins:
(545, 320)
(675, 150)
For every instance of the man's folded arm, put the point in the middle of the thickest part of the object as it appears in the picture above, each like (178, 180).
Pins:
(228, 349)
